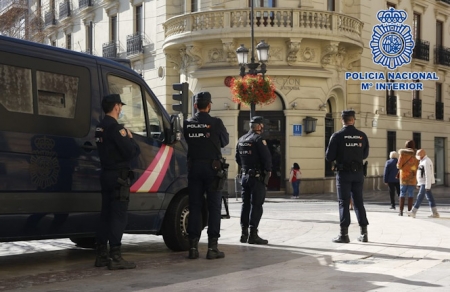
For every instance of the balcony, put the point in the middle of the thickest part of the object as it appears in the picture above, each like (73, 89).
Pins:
(110, 50)
(442, 56)
(64, 10)
(268, 22)
(417, 108)
(12, 6)
(135, 44)
(84, 3)
(49, 18)
(391, 105)
(422, 50)
(439, 110)
(444, 1)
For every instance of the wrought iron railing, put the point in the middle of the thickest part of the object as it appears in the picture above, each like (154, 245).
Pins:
(421, 50)
(110, 50)
(391, 105)
(439, 110)
(135, 44)
(64, 10)
(84, 3)
(49, 18)
(442, 55)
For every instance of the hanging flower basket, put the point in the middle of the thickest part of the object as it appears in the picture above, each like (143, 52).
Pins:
(253, 89)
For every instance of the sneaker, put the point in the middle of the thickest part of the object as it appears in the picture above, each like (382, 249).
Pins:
(293, 197)
(434, 215)
(412, 214)
(297, 197)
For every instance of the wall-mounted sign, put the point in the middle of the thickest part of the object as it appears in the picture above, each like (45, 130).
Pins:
(297, 130)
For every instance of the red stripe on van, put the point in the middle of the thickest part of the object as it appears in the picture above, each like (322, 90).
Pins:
(163, 172)
(140, 182)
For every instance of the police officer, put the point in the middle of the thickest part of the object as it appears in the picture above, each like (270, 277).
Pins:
(116, 149)
(253, 157)
(349, 147)
(205, 136)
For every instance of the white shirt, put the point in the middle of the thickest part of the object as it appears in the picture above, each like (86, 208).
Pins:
(425, 176)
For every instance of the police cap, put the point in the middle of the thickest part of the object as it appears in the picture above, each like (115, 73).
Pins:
(203, 96)
(257, 120)
(113, 98)
(348, 114)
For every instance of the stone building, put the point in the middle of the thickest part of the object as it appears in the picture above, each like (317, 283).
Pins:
(313, 44)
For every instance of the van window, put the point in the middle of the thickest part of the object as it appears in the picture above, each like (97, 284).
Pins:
(16, 81)
(134, 117)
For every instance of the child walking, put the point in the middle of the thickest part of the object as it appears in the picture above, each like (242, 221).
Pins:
(294, 179)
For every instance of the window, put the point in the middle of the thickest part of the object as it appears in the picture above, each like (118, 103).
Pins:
(416, 103)
(391, 5)
(89, 38)
(134, 117)
(438, 92)
(69, 41)
(331, 5)
(113, 27)
(391, 101)
(439, 31)
(417, 139)
(439, 104)
(416, 26)
(262, 3)
(53, 43)
(138, 19)
(391, 142)
(416, 93)
(194, 5)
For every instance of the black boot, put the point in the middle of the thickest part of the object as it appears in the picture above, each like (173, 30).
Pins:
(363, 237)
(244, 235)
(254, 238)
(117, 262)
(213, 251)
(193, 248)
(343, 236)
(102, 259)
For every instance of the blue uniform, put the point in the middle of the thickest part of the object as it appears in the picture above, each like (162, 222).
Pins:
(349, 147)
(253, 155)
(116, 150)
(205, 136)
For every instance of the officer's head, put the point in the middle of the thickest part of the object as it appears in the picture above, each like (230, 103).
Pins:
(348, 117)
(112, 105)
(203, 101)
(257, 124)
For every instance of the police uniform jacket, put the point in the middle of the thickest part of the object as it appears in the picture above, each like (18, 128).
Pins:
(115, 148)
(346, 146)
(252, 153)
(205, 136)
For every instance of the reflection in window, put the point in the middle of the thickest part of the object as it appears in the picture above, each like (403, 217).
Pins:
(57, 94)
(154, 118)
(14, 82)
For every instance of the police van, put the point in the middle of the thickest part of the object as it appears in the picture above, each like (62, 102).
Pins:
(50, 104)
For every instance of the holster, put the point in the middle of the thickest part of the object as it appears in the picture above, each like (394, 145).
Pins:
(221, 167)
(365, 168)
(124, 183)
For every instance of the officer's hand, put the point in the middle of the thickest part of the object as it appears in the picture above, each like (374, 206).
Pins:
(129, 134)
(417, 187)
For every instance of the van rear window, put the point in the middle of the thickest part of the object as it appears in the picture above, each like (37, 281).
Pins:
(15, 83)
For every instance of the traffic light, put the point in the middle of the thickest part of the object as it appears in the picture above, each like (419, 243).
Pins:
(182, 96)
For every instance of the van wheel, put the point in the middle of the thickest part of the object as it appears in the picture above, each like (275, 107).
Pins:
(175, 224)
(84, 242)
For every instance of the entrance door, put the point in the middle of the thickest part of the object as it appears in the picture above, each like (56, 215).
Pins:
(274, 134)
(439, 160)
(329, 130)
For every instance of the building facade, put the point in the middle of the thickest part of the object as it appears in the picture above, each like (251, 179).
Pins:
(313, 44)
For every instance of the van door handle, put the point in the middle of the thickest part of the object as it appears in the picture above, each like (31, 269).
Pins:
(88, 147)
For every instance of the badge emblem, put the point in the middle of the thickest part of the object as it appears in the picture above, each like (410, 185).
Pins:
(123, 132)
(392, 42)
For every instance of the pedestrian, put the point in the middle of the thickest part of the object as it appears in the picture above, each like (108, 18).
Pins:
(349, 147)
(390, 177)
(425, 178)
(254, 159)
(294, 179)
(116, 149)
(407, 164)
(205, 136)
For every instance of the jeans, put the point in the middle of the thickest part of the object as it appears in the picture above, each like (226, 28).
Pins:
(422, 193)
(296, 187)
(406, 189)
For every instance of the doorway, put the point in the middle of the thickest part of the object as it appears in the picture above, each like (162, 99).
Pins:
(329, 130)
(439, 160)
(274, 134)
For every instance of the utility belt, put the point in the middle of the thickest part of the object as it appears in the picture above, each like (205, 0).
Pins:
(257, 174)
(220, 166)
(353, 166)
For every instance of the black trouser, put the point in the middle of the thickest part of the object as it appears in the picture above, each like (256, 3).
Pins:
(200, 180)
(253, 196)
(350, 185)
(113, 216)
(395, 186)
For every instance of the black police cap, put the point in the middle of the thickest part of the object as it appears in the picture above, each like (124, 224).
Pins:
(113, 98)
(348, 114)
(257, 120)
(203, 96)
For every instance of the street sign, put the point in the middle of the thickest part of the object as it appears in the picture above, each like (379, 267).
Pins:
(297, 130)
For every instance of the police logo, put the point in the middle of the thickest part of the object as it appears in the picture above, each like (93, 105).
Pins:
(392, 42)
(123, 132)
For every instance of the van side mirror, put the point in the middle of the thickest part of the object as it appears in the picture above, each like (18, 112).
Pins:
(175, 129)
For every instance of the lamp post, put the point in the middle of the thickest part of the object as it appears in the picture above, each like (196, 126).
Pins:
(263, 55)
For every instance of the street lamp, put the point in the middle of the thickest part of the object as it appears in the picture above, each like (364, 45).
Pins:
(263, 55)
